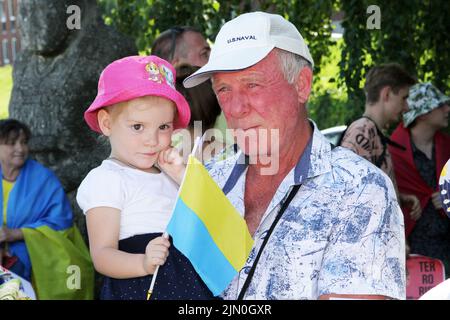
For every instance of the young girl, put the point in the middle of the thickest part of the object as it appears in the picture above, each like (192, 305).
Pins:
(127, 200)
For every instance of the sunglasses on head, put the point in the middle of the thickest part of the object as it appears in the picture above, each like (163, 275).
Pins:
(175, 33)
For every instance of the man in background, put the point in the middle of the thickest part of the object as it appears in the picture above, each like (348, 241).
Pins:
(386, 90)
(182, 45)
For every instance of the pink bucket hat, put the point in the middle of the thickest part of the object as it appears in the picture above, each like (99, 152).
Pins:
(133, 77)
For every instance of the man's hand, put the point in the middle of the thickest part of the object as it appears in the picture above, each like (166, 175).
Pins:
(436, 200)
(413, 203)
(171, 162)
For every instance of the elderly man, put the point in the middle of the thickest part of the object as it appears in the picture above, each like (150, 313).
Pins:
(326, 223)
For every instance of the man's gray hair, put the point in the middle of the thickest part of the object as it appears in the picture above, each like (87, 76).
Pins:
(291, 64)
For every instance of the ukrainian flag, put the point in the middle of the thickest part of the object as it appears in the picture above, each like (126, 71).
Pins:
(208, 230)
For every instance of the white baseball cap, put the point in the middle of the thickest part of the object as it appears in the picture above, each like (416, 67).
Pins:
(246, 40)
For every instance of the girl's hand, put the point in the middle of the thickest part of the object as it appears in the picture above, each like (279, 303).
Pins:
(156, 254)
(171, 162)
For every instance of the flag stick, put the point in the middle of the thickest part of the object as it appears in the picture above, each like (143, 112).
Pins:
(198, 141)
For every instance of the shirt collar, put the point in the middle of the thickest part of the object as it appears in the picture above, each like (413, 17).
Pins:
(315, 160)
(320, 158)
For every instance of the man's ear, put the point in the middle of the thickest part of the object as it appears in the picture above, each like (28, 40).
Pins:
(104, 122)
(303, 84)
(385, 93)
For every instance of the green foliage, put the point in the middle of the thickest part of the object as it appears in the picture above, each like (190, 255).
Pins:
(328, 105)
(327, 110)
(413, 33)
(144, 20)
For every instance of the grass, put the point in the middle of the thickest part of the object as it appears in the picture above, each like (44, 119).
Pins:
(5, 89)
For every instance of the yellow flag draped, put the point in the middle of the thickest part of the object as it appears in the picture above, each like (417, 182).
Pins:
(61, 264)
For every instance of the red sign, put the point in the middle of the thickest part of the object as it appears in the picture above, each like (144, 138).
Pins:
(423, 273)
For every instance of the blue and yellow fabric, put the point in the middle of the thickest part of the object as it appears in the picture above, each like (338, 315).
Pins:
(208, 230)
(7, 187)
(53, 251)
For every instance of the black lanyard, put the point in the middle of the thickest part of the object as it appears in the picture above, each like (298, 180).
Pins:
(266, 238)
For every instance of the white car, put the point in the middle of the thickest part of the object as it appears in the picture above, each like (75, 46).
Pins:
(333, 134)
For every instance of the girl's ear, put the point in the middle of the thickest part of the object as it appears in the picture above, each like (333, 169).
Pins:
(104, 122)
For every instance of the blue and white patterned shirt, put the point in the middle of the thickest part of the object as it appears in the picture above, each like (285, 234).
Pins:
(343, 232)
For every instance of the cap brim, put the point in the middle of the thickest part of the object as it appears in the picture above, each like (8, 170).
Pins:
(232, 61)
